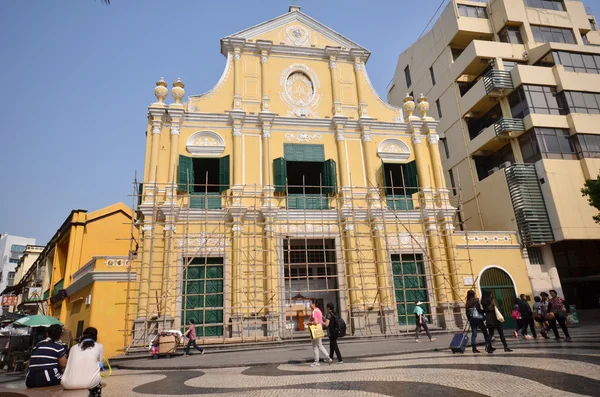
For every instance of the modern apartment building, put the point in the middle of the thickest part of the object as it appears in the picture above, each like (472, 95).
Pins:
(11, 251)
(517, 87)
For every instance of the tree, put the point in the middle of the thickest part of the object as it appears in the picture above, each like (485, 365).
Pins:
(591, 189)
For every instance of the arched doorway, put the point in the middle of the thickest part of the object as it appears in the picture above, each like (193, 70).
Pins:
(503, 289)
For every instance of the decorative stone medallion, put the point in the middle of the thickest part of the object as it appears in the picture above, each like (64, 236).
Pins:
(300, 86)
(303, 137)
(297, 35)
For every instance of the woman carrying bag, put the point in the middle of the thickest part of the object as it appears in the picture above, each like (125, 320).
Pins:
(493, 318)
(476, 316)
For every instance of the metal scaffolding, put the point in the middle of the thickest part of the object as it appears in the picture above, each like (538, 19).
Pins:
(365, 249)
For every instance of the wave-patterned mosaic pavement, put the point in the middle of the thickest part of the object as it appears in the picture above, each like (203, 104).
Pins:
(534, 368)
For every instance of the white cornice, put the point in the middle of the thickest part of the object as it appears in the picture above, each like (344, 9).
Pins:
(91, 277)
(282, 20)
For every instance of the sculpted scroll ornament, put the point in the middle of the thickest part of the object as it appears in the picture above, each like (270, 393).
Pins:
(302, 137)
(300, 87)
(406, 241)
(297, 35)
(308, 228)
(205, 143)
(393, 150)
(202, 241)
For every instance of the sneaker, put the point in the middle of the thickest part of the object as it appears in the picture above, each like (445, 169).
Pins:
(339, 362)
(315, 364)
(432, 339)
(418, 340)
(568, 339)
(528, 337)
(202, 351)
(330, 361)
(515, 334)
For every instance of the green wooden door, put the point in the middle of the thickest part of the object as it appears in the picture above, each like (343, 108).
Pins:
(503, 290)
(410, 286)
(203, 296)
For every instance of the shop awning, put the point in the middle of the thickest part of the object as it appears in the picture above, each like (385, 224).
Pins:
(17, 288)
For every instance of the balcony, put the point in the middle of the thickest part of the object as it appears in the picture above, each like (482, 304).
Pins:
(508, 127)
(486, 141)
(498, 82)
(528, 204)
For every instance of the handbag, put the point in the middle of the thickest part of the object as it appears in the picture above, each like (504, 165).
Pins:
(516, 315)
(476, 314)
(499, 315)
(316, 331)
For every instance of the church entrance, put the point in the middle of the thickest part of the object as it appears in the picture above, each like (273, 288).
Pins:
(503, 290)
(310, 272)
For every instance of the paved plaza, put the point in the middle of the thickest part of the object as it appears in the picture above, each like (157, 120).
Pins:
(535, 368)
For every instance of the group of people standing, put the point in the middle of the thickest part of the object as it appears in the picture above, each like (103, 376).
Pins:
(485, 316)
(50, 366)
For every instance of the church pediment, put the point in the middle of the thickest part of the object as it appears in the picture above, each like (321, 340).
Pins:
(295, 29)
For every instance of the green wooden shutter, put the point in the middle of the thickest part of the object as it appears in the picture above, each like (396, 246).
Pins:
(140, 194)
(411, 181)
(298, 152)
(224, 174)
(186, 174)
(329, 176)
(279, 174)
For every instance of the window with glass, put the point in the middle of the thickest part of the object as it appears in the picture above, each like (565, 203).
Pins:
(556, 5)
(432, 74)
(471, 11)
(452, 182)
(439, 108)
(444, 142)
(17, 248)
(510, 65)
(511, 34)
(582, 102)
(456, 52)
(547, 143)
(587, 145)
(407, 76)
(576, 62)
(535, 99)
(548, 34)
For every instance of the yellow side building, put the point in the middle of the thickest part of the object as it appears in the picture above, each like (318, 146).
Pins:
(293, 180)
(87, 263)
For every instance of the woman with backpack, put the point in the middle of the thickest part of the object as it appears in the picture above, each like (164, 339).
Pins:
(83, 370)
(331, 321)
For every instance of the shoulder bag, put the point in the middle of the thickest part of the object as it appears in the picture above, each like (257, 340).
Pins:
(499, 315)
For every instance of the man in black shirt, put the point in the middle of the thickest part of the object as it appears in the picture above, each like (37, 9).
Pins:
(47, 360)
(526, 317)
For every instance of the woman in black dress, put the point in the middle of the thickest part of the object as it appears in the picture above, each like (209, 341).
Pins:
(489, 306)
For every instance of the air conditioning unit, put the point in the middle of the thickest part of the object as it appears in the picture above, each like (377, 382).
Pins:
(490, 172)
(506, 164)
(88, 300)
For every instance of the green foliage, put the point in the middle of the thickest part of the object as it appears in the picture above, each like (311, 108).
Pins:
(591, 189)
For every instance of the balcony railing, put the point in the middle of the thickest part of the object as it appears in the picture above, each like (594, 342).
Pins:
(506, 126)
(529, 206)
(498, 81)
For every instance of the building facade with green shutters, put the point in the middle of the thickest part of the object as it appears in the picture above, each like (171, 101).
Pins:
(292, 180)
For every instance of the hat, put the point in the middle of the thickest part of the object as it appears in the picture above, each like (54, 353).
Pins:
(419, 303)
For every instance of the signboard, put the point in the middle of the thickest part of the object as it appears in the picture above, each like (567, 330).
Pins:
(468, 281)
(9, 300)
(35, 294)
(572, 319)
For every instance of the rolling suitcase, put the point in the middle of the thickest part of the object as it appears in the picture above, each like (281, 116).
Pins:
(460, 341)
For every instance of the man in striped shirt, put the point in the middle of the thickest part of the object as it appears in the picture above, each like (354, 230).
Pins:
(47, 360)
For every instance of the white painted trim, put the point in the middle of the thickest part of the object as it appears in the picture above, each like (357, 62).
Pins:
(362, 157)
(347, 162)
(495, 267)
(243, 161)
(222, 79)
(205, 151)
(393, 157)
(92, 277)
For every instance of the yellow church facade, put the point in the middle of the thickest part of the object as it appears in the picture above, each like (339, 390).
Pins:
(293, 180)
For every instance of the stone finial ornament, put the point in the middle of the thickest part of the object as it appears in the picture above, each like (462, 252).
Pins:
(423, 106)
(161, 91)
(409, 105)
(178, 91)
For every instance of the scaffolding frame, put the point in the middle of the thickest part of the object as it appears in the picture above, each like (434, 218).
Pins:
(180, 235)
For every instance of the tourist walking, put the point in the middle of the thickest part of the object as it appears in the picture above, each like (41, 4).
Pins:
(83, 368)
(191, 335)
(493, 318)
(476, 316)
(47, 361)
(558, 308)
(316, 318)
(516, 315)
(526, 318)
(539, 312)
(421, 322)
(330, 321)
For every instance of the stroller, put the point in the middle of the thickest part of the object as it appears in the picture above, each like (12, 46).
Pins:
(164, 344)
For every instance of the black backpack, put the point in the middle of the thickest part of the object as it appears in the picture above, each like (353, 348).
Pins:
(337, 326)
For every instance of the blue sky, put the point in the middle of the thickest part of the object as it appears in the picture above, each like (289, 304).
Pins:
(78, 77)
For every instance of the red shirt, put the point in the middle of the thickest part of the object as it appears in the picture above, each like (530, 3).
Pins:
(192, 332)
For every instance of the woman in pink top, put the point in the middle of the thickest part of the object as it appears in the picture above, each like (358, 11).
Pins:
(317, 344)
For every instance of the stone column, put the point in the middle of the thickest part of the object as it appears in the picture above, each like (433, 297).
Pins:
(267, 161)
(272, 278)
(236, 277)
(237, 79)
(237, 118)
(389, 321)
(176, 112)
(265, 47)
(345, 188)
(151, 187)
(335, 85)
(359, 70)
(370, 163)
